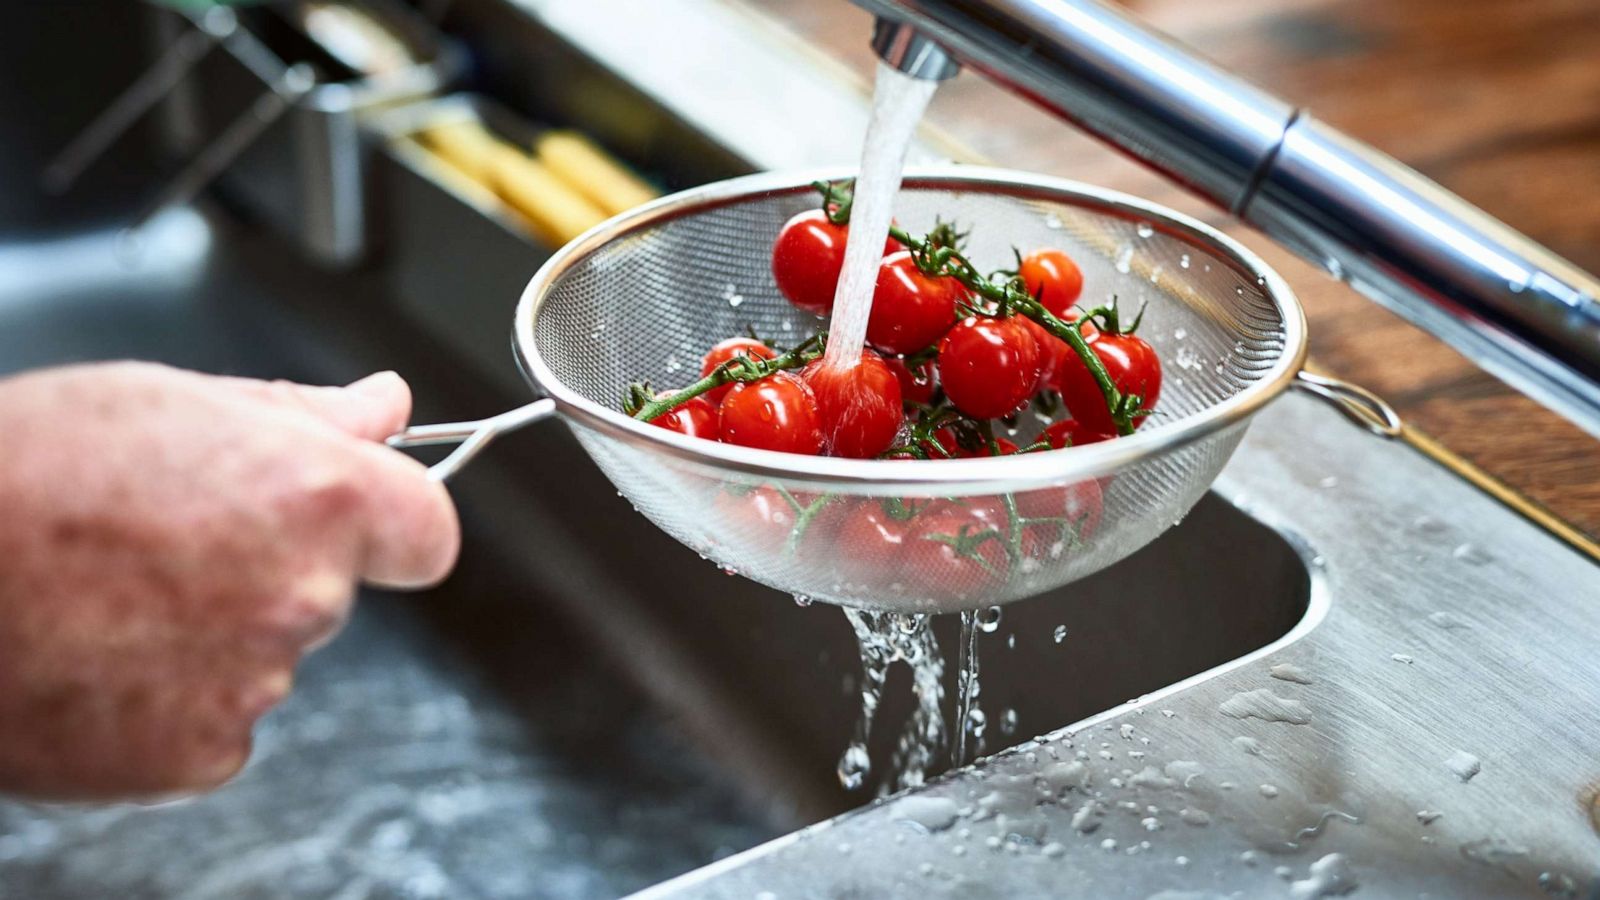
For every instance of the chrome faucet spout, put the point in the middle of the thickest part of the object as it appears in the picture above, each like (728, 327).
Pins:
(1512, 306)
(910, 51)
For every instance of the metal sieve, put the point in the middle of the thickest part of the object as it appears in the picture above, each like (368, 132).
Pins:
(644, 294)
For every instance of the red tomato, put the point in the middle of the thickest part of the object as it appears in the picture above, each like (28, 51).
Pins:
(697, 417)
(1080, 504)
(807, 257)
(916, 386)
(1134, 369)
(1054, 278)
(910, 310)
(1072, 433)
(860, 406)
(1055, 350)
(765, 520)
(936, 566)
(728, 349)
(870, 542)
(989, 366)
(775, 413)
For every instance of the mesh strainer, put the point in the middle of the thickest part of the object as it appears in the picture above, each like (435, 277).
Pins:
(646, 293)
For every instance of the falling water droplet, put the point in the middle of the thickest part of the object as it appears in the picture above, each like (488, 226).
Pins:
(1060, 634)
(732, 295)
(1183, 261)
(1179, 334)
(1144, 230)
(989, 619)
(802, 600)
(1008, 722)
(1052, 221)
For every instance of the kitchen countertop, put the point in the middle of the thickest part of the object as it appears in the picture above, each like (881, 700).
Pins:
(1500, 108)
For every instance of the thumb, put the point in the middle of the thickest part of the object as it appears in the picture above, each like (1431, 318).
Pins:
(371, 409)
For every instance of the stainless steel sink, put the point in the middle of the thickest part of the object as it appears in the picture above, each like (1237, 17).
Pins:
(587, 707)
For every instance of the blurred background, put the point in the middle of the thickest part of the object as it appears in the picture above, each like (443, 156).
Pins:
(315, 190)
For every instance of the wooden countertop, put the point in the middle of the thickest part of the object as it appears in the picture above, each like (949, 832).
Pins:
(1502, 107)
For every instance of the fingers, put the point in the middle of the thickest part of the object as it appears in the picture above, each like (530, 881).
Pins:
(371, 409)
(413, 534)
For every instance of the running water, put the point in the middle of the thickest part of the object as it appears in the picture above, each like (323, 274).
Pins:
(897, 104)
(887, 638)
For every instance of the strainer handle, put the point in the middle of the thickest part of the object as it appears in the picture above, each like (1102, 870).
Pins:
(1354, 402)
(471, 436)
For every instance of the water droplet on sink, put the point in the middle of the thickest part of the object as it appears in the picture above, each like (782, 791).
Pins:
(1330, 876)
(1108, 844)
(1464, 765)
(1290, 672)
(1557, 885)
(1330, 481)
(1168, 713)
(1269, 791)
(1265, 705)
(1471, 554)
(1126, 731)
(1199, 818)
(929, 814)
(802, 600)
(1405, 658)
(1060, 634)
(1446, 621)
(1249, 745)
(1428, 816)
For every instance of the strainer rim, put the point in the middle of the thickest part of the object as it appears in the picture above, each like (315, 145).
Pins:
(956, 475)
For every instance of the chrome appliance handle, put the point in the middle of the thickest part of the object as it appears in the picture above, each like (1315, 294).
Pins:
(1513, 307)
(472, 437)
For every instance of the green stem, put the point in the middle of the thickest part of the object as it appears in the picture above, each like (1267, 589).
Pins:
(738, 369)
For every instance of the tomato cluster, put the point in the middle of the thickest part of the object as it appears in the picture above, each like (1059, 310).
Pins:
(949, 353)
(934, 342)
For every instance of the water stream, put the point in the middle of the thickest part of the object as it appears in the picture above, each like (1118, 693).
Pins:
(897, 104)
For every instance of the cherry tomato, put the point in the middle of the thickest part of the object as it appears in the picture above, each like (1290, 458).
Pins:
(917, 385)
(1056, 350)
(910, 309)
(1079, 505)
(989, 366)
(765, 519)
(1072, 433)
(728, 349)
(1134, 369)
(697, 417)
(860, 406)
(871, 541)
(1054, 278)
(777, 412)
(953, 551)
(807, 257)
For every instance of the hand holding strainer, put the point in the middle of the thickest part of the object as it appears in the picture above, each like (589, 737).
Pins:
(647, 292)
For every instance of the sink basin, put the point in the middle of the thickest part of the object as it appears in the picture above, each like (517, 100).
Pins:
(586, 708)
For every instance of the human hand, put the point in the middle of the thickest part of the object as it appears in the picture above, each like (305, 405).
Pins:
(170, 544)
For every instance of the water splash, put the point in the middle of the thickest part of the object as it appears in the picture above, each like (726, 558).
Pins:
(970, 720)
(897, 104)
(884, 639)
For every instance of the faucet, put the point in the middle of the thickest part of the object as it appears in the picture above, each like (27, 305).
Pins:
(1515, 308)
